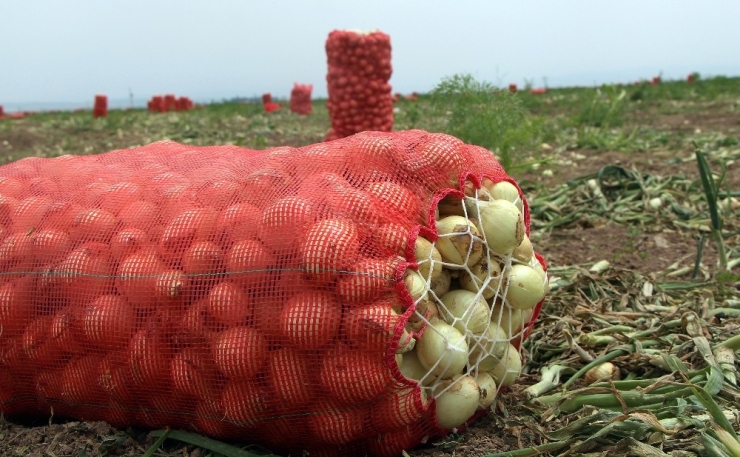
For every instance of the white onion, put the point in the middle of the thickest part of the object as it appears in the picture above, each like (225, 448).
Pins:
(458, 402)
(465, 310)
(510, 319)
(428, 258)
(411, 368)
(488, 389)
(507, 370)
(537, 266)
(526, 288)
(480, 273)
(442, 349)
(416, 285)
(441, 285)
(488, 349)
(524, 251)
(426, 310)
(502, 224)
(456, 243)
(504, 190)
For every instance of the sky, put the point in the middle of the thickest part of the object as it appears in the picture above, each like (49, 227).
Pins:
(55, 53)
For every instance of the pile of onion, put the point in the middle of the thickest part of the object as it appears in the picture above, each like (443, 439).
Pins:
(475, 291)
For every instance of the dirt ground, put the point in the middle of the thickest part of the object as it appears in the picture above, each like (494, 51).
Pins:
(642, 249)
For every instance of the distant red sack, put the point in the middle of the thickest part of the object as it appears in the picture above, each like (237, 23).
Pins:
(100, 109)
(359, 70)
(270, 107)
(300, 99)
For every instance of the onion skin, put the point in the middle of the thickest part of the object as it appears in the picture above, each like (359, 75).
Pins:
(501, 222)
(310, 319)
(457, 404)
(507, 370)
(426, 254)
(457, 242)
(466, 311)
(240, 352)
(488, 390)
(330, 246)
(489, 349)
(445, 344)
(352, 376)
(481, 272)
(525, 289)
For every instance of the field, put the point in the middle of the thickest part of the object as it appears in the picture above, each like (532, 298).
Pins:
(640, 276)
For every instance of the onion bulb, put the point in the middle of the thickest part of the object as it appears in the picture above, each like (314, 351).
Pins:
(457, 401)
(442, 349)
(504, 190)
(524, 251)
(428, 258)
(488, 349)
(466, 311)
(512, 320)
(441, 285)
(411, 367)
(604, 371)
(425, 311)
(480, 273)
(537, 266)
(502, 224)
(416, 285)
(488, 388)
(507, 370)
(526, 287)
(456, 243)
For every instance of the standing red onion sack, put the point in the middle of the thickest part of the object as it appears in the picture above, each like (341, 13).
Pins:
(357, 81)
(300, 99)
(354, 297)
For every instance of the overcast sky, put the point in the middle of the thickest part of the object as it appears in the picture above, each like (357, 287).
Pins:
(66, 51)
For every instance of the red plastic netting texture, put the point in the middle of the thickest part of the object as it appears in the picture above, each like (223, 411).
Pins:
(221, 290)
(357, 79)
(300, 99)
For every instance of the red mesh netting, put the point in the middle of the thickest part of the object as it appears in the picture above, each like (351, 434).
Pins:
(100, 109)
(246, 295)
(359, 93)
(300, 99)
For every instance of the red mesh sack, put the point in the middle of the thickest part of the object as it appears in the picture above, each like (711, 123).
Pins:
(300, 99)
(156, 104)
(343, 298)
(170, 102)
(266, 98)
(359, 94)
(184, 104)
(2, 112)
(270, 107)
(100, 109)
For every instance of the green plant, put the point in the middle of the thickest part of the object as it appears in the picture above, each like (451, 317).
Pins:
(711, 192)
(478, 113)
(605, 109)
